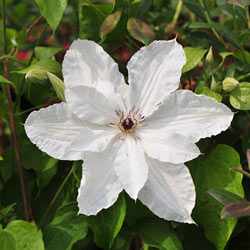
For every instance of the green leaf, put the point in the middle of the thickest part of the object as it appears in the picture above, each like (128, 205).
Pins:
(107, 223)
(225, 54)
(6, 210)
(158, 233)
(91, 19)
(26, 235)
(203, 89)
(139, 8)
(140, 31)
(245, 34)
(222, 29)
(135, 211)
(237, 209)
(244, 58)
(52, 11)
(1, 29)
(193, 238)
(44, 165)
(7, 241)
(240, 96)
(225, 197)
(21, 36)
(241, 3)
(43, 53)
(66, 228)
(123, 239)
(110, 23)
(58, 86)
(47, 65)
(193, 56)
(4, 80)
(213, 172)
(195, 7)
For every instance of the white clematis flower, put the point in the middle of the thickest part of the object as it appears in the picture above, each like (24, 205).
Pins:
(134, 137)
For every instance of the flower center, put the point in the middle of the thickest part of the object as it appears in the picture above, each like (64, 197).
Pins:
(127, 125)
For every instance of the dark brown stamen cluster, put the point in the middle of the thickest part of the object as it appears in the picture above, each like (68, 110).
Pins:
(127, 124)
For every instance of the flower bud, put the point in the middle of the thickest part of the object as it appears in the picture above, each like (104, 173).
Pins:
(229, 84)
(209, 56)
(37, 75)
(214, 85)
(58, 85)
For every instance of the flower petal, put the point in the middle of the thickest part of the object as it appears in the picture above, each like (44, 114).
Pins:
(154, 72)
(132, 170)
(193, 116)
(167, 147)
(169, 191)
(100, 187)
(93, 140)
(87, 64)
(53, 129)
(91, 105)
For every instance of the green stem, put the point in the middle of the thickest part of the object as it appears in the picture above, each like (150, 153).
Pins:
(177, 13)
(248, 17)
(19, 92)
(12, 121)
(93, 6)
(241, 171)
(74, 173)
(145, 246)
(55, 197)
(207, 15)
(130, 46)
(236, 31)
(9, 57)
(33, 108)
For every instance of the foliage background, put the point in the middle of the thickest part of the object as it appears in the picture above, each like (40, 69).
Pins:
(41, 213)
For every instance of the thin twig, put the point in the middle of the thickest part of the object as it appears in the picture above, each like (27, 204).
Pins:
(208, 17)
(177, 13)
(6, 70)
(55, 197)
(34, 23)
(248, 17)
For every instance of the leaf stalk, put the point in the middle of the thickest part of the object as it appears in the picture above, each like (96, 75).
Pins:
(15, 141)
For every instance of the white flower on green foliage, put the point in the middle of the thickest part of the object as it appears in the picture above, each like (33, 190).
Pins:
(134, 137)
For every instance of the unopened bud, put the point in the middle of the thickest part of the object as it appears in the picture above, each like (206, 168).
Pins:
(37, 75)
(58, 86)
(214, 85)
(229, 84)
(209, 56)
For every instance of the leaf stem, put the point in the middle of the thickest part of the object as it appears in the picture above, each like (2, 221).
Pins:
(55, 197)
(177, 13)
(236, 31)
(34, 23)
(18, 158)
(241, 171)
(248, 17)
(9, 57)
(206, 13)
(93, 6)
